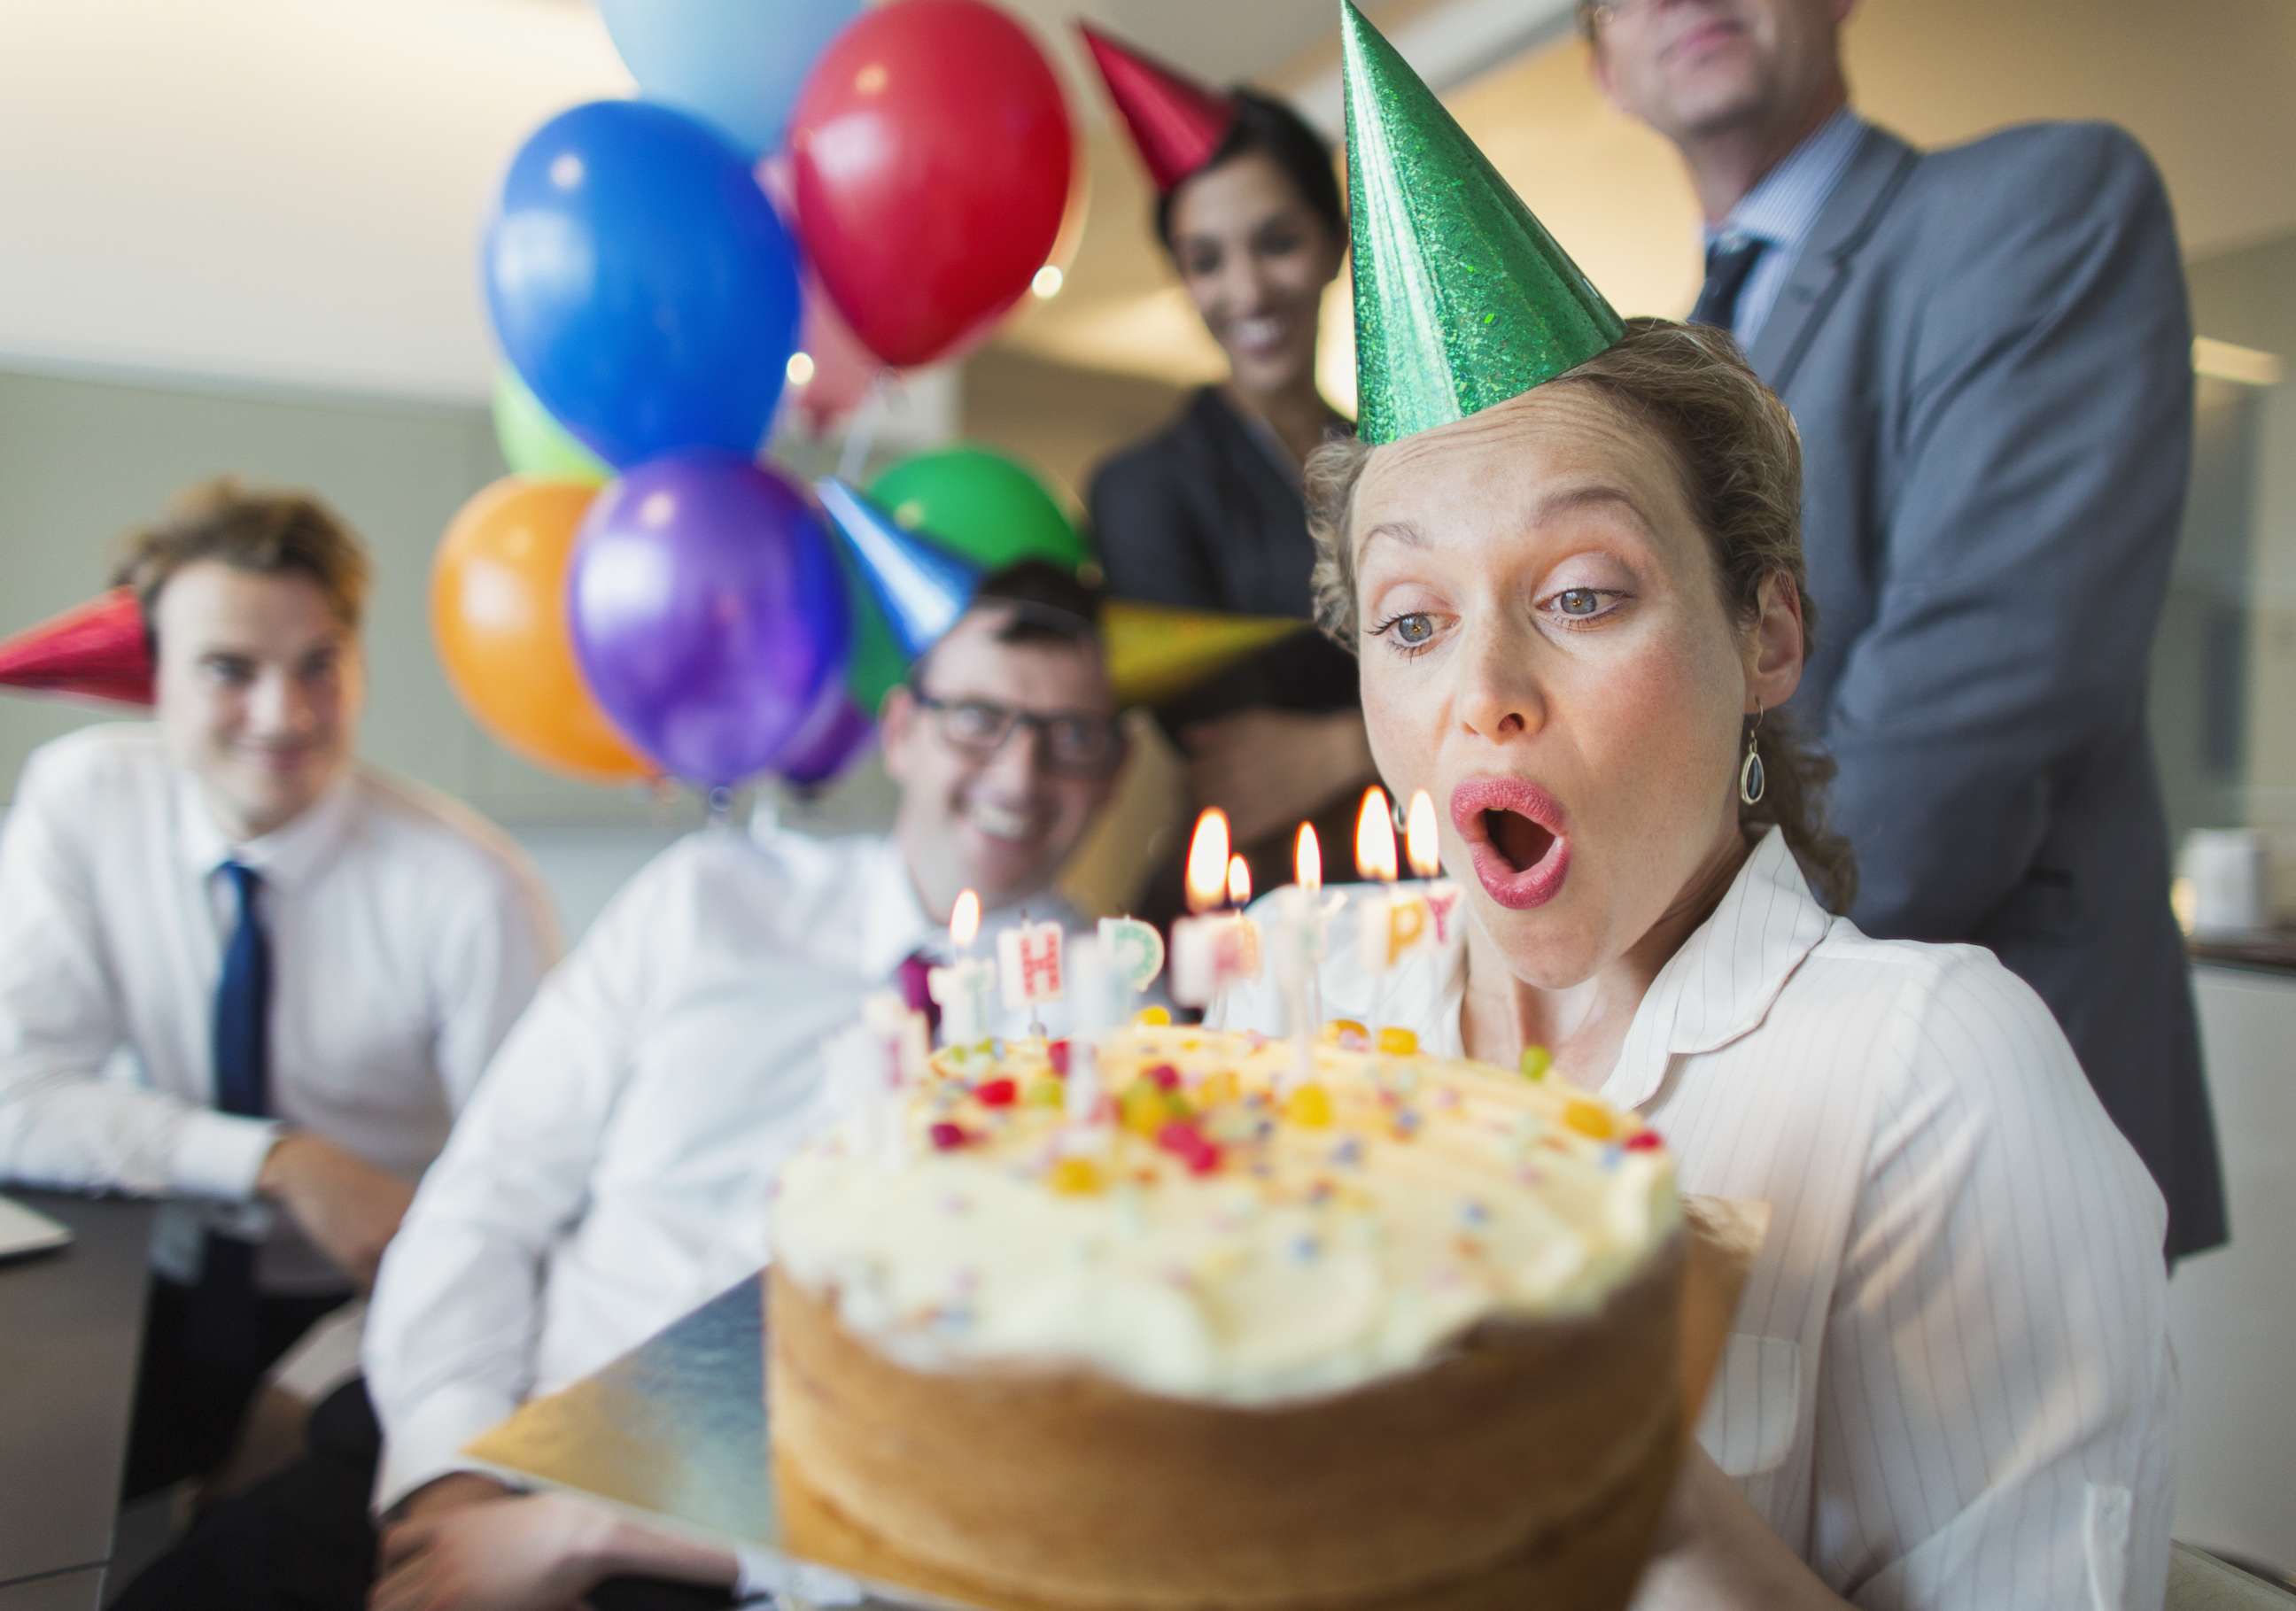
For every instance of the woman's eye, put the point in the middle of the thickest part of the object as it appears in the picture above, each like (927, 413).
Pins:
(1584, 603)
(1410, 630)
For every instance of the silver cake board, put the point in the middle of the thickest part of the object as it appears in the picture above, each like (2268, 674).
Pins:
(673, 1433)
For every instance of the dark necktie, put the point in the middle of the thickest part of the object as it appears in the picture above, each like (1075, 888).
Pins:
(914, 991)
(242, 1006)
(1728, 262)
(242, 1086)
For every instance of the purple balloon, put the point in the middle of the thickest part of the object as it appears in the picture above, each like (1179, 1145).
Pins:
(708, 613)
(831, 740)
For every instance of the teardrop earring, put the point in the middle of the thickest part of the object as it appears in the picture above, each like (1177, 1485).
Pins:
(1752, 784)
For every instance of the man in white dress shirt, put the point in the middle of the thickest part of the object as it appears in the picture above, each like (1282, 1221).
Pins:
(310, 963)
(618, 1168)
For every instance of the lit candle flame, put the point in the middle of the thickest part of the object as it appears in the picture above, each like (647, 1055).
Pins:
(1239, 882)
(965, 921)
(1419, 838)
(1208, 860)
(1375, 838)
(1307, 860)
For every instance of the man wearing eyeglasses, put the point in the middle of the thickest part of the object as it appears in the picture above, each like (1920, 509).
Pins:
(616, 1167)
(1987, 350)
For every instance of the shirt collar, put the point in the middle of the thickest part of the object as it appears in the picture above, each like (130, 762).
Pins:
(1785, 204)
(284, 856)
(895, 925)
(1720, 985)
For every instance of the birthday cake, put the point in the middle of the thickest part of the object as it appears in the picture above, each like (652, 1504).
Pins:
(1190, 1317)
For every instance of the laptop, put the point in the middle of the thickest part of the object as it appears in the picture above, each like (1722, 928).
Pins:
(23, 1232)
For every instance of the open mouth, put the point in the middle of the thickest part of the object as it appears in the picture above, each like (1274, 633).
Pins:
(1514, 831)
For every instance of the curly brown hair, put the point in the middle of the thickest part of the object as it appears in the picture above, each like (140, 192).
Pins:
(1740, 459)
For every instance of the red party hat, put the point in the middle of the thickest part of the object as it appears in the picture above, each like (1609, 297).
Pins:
(96, 650)
(1177, 124)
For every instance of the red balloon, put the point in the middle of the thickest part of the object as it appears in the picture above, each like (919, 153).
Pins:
(842, 370)
(930, 151)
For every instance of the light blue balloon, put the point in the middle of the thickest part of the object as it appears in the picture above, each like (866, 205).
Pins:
(738, 63)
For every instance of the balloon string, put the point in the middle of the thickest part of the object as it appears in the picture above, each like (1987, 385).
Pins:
(862, 437)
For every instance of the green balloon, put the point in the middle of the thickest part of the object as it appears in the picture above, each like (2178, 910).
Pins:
(982, 505)
(975, 503)
(534, 443)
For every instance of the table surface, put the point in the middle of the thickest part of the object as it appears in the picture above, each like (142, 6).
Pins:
(675, 1432)
(71, 1330)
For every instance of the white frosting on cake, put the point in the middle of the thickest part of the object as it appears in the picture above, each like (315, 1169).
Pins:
(1249, 1255)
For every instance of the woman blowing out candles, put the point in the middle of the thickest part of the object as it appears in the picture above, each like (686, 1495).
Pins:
(1207, 513)
(1567, 553)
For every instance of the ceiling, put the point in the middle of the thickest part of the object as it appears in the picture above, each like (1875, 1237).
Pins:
(290, 191)
(2208, 89)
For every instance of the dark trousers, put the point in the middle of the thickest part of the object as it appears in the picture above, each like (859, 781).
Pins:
(303, 1540)
(206, 1349)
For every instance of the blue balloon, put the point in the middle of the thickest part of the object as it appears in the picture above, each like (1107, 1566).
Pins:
(738, 63)
(642, 284)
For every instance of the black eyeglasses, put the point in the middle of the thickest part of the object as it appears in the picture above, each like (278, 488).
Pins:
(1070, 742)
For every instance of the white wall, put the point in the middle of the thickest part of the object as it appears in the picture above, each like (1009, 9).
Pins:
(82, 460)
(2233, 1311)
(284, 189)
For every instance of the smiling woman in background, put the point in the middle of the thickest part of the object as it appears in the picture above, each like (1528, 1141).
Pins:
(1572, 567)
(1208, 513)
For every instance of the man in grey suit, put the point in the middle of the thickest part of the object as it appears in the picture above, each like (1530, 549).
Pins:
(1989, 351)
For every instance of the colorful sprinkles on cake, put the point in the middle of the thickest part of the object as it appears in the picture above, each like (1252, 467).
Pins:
(1449, 1189)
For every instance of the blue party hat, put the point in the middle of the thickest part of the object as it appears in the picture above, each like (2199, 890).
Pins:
(919, 587)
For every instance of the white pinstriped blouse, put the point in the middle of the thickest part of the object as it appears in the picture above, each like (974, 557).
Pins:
(1949, 1384)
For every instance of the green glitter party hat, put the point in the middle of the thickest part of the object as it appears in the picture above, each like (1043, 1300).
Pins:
(1462, 298)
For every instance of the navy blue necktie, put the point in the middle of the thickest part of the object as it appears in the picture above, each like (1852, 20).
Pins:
(1727, 264)
(242, 1006)
(224, 1318)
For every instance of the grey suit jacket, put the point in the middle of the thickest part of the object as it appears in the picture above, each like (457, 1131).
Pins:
(1988, 352)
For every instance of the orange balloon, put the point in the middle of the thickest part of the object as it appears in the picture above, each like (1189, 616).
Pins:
(498, 612)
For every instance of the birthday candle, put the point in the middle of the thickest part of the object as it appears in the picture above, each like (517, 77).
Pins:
(1028, 964)
(965, 988)
(1103, 1001)
(1298, 945)
(1421, 847)
(1211, 950)
(875, 1063)
(1239, 897)
(1388, 922)
(1135, 951)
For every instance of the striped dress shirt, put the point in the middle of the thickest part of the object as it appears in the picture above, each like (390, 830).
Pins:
(1782, 209)
(1949, 1382)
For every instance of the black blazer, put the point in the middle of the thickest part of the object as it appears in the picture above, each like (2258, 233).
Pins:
(1204, 515)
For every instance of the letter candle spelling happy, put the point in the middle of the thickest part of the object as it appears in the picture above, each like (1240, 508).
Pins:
(1213, 949)
(1388, 922)
(1421, 846)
